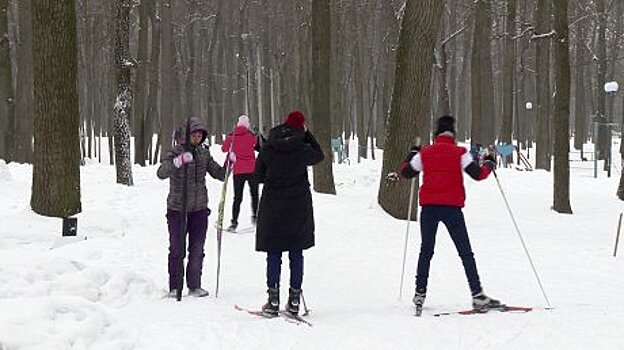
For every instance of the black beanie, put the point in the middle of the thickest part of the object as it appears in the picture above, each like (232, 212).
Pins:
(445, 123)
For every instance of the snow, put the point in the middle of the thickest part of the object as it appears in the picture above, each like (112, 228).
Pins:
(611, 87)
(107, 291)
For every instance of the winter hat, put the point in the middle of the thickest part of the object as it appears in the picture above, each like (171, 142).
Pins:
(295, 119)
(195, 125)
(243, 120)
(444, 124)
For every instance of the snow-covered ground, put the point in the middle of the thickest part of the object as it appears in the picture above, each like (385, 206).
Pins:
(106, 291)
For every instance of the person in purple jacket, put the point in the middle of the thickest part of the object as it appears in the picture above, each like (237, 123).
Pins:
(240, 145)
(199, 162)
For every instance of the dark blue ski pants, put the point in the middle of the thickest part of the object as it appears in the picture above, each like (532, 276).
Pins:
(274, 268)
(453, 219)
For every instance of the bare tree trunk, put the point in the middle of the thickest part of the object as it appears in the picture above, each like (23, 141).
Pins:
(191, 62)
(152, 116)
(141, 85)
(509, 62)
(601, 78)
(464, 93)
(56, 166)
(321, 100)
(444, 100)
(7, 95)
(123, 101)
(561, 173)
(411, 98)
(580, 111)
(543, 141)
(167, 124)
(482, 127)
(24, 109)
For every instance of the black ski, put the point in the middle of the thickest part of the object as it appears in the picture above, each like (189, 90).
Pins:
(294, 317)
(284, 314)
(248, 229)
(504, 308)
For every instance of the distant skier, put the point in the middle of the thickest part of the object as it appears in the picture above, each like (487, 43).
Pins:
(243, 143)
(442, 196)
(285, 216)
(199, 162)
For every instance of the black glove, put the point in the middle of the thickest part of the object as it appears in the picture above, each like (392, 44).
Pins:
(413, 152)
(489, 161)
(406, 169)
(309, 138)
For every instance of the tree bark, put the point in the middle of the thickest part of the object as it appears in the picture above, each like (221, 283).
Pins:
(482, 92)
(167, 124)
(509, 61)
(152, 116)
(56, 166)
(601, 78)
(123, 102)
(141, 85)
(7, 95)
(561, 173)
(24, 110)
(411, 99)
(321, 100)
(580, 111)
(543, 141)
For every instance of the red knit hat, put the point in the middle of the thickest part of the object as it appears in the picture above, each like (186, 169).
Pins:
(295, 119)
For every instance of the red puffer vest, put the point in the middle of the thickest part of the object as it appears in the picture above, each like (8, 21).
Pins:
(443, 182)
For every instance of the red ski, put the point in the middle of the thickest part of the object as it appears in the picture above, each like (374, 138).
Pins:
(504, 308)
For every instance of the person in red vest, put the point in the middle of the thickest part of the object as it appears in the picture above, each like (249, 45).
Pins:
(242, 143)
(442, 197)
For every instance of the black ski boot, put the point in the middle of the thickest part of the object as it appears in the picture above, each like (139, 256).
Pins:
(292, 306)
(482, 302)
(271, 308)
(232, 227)
(419, 300)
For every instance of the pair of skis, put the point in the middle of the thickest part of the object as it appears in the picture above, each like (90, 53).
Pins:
(293, 318)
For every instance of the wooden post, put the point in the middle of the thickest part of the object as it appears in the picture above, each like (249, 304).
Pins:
(617, 235)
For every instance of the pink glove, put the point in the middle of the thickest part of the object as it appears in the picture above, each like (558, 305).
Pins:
(232, 157)
(182, 159)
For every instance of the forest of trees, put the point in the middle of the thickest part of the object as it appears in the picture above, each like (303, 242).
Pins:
(375, 72)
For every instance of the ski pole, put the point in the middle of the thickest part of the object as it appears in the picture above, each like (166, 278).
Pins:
(409, 219)
(617, 236)
(513, 219)
(306, 311)
(184, 213)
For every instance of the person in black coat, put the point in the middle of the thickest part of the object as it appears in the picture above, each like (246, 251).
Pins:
(285, 215)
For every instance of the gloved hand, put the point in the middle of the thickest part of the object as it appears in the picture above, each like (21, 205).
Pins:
(413, 152)
(182, 159)
(489, 161)
(406, 169)
(232, 157)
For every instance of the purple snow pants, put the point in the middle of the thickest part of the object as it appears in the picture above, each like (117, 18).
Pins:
(197, 224)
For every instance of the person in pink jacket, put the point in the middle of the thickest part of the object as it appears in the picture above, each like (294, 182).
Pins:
(240, 145)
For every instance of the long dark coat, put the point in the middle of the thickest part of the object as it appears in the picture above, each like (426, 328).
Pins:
(285, 216)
